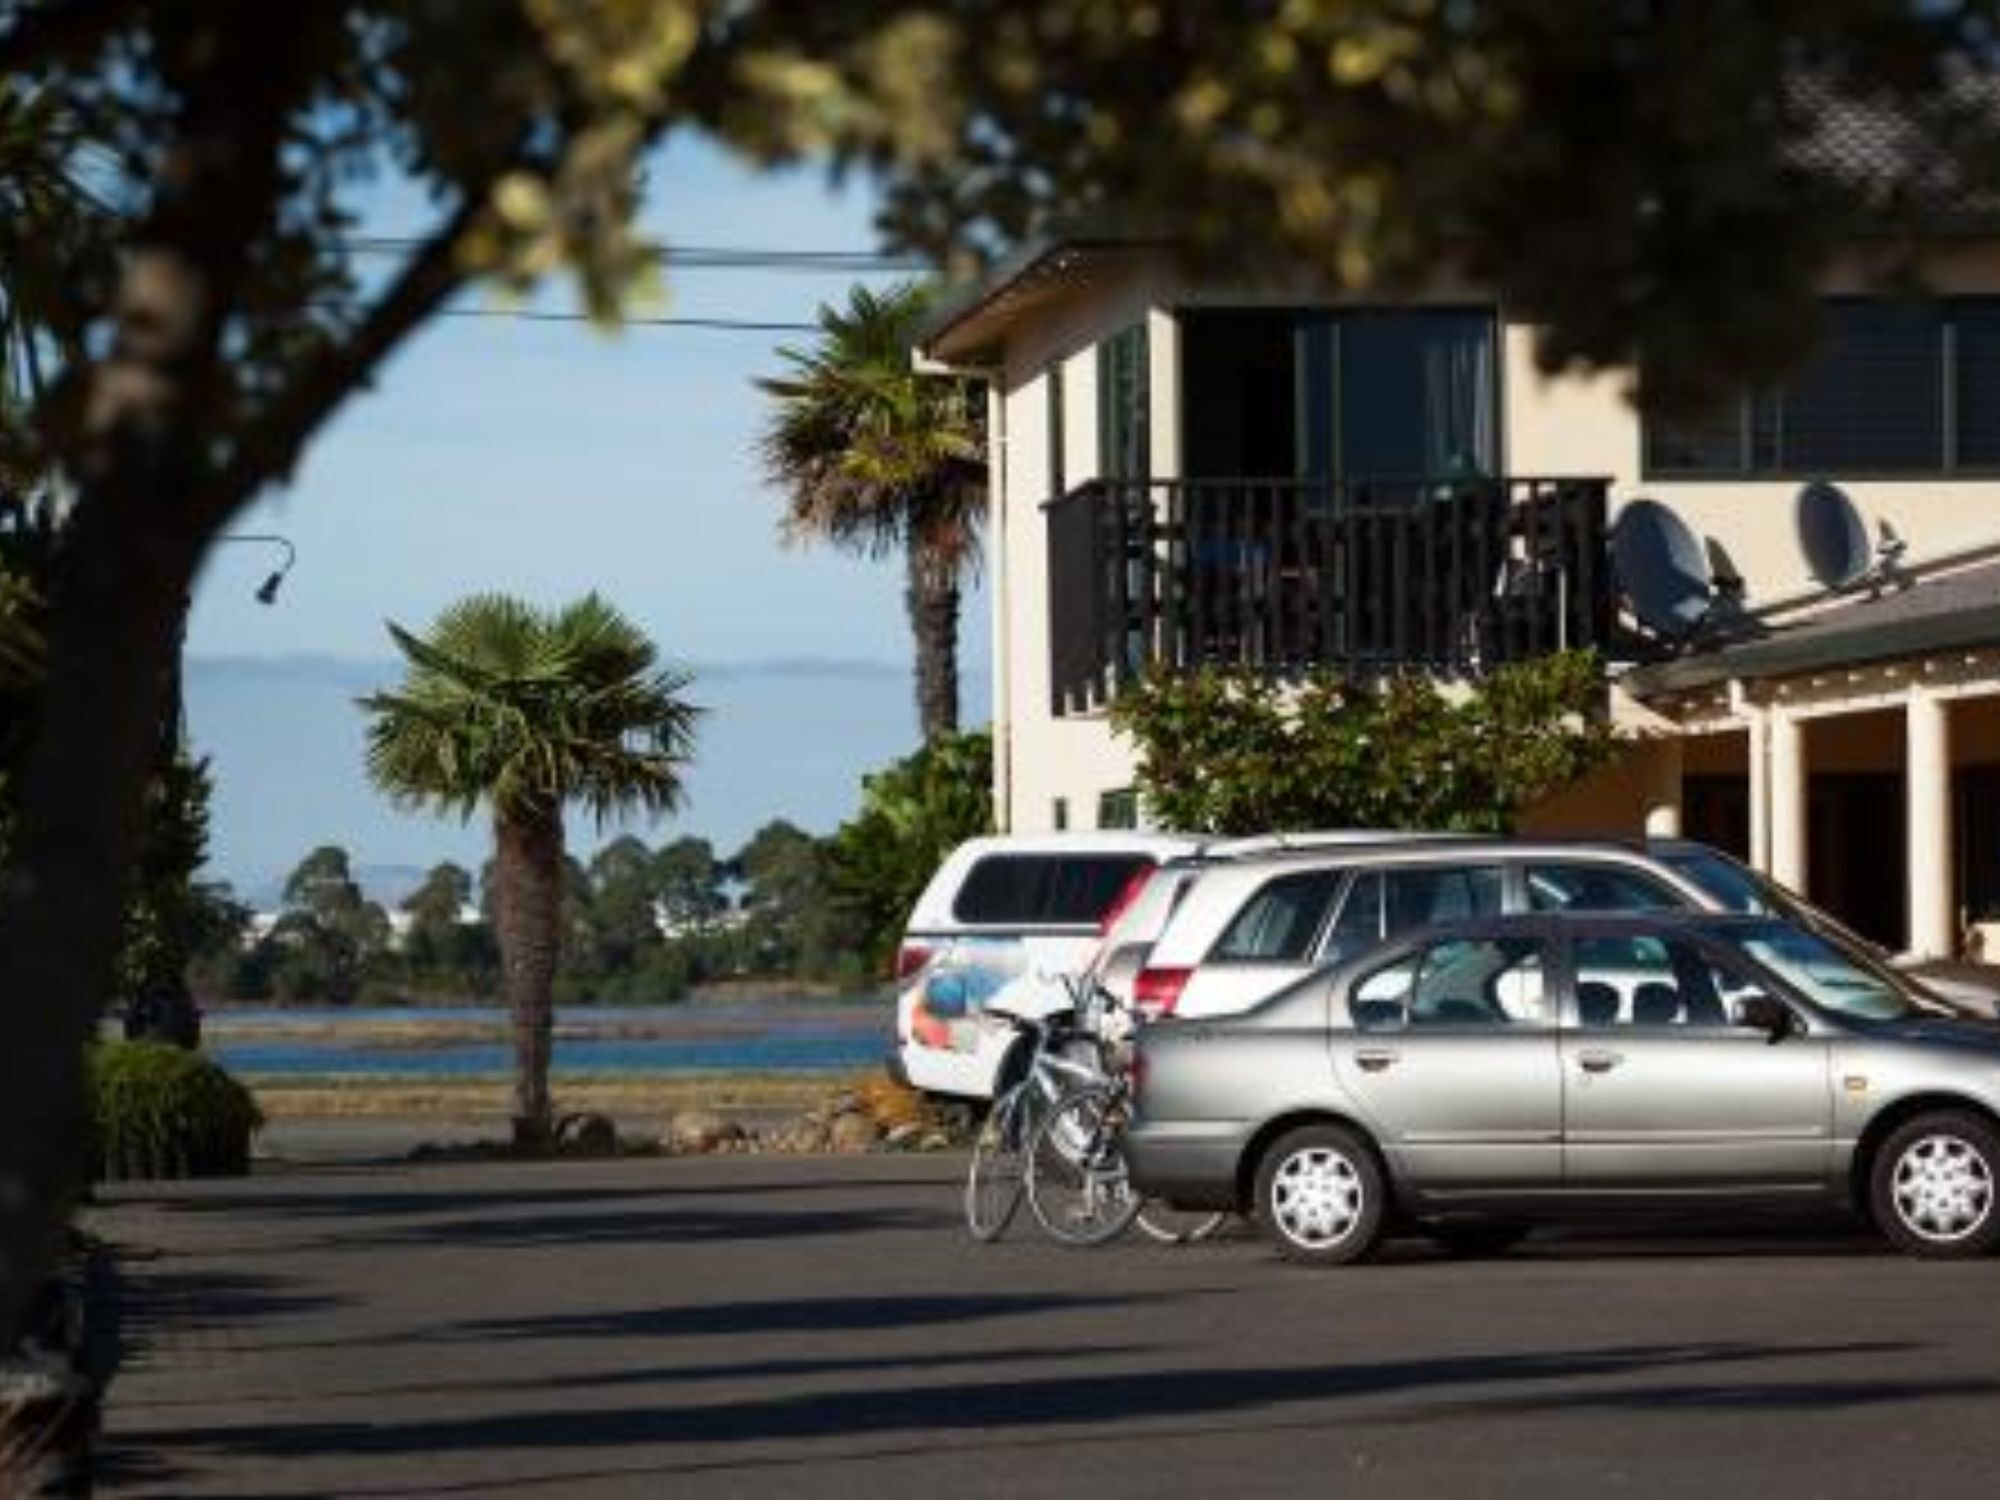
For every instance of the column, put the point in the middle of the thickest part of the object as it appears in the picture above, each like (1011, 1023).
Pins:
(1788, 800)
(1759, 754)
(1663, 796)
(1927, 782)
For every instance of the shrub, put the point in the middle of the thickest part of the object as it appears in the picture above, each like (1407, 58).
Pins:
(913, 813)
(163, 1112)
(1230, 752)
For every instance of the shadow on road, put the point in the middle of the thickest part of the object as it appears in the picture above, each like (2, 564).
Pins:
(991, 1406)
(794, 1315)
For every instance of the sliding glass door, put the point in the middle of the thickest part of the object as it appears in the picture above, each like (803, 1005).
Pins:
(1403, 393)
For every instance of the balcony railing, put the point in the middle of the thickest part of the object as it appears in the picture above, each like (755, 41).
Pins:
(1450, 576)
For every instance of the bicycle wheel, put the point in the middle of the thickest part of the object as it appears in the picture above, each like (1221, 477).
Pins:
(994, 1183)
(1078, 1186)
(1178, 1226)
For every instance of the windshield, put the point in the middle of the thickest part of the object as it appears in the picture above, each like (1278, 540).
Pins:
(1832, 979)
(1741, 889)
(1729, 883)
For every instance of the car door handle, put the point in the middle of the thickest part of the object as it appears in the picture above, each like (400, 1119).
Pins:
(1375, 1059)
(1599, 1060)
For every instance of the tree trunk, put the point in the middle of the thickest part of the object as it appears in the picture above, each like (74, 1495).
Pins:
(145, 508)
(528, 903)
(932, 600)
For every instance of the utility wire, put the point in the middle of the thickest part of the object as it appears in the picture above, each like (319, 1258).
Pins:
(547, 315)
(535, 315)
(713, 257)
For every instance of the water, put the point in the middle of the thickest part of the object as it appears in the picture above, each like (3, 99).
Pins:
(774, 1034)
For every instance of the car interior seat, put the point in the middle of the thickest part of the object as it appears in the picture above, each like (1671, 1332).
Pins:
(1656, 1004)
(1597, 1003)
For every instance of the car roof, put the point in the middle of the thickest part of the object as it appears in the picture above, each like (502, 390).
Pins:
(1664, 919)
(1432, 849)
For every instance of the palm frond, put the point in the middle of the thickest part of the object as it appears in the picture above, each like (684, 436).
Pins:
(520, 709)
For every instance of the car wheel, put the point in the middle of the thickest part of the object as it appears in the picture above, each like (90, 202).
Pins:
(1474, 1239)
(1321, 1195)
(1933, 1186)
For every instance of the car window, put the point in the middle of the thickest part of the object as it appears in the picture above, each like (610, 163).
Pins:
(1279, 922)
(1359, 925)
(1457, 982)
(1589, 886)
(1647, 983)
(1382, 904)
(1044, 890)
(1414, 898)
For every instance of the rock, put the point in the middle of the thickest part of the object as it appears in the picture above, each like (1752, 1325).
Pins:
(935, 1141)
(853, 1134)
(697, 1130)
(587, 1135)
(901, 1136)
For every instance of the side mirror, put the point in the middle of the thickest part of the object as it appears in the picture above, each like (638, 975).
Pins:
(1762, 1013)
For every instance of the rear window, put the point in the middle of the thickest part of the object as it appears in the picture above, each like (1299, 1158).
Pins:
(1044, 890)
(1278, 924)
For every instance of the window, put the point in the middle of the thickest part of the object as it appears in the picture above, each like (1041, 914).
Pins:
(1278, 923)
(1119, 809)
(1044, 890)
(1415, 393)
(1124, 399)
(1382, 903)
(1059, 815)
(1354, 393)
(1057, 484)
(1595, 887)
(1896, 388)
(1459, 982)
(1650, 983)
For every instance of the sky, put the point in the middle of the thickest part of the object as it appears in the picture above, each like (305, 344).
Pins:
(546, 460)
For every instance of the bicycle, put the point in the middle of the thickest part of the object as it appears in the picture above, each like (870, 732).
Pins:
(1078, 1183)
(1062, 1056)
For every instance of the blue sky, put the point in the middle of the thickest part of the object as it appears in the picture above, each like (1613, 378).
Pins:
(546, 459)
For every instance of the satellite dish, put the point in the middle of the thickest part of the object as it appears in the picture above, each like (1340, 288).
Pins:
(1832, 536)
(1661, 569)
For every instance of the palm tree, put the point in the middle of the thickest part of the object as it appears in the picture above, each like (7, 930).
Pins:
(525, 711)
(873, 457)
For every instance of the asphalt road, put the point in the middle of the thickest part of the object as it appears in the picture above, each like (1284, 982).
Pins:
(823, 1327)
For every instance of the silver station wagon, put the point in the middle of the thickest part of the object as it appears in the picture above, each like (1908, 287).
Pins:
(1472, 1079)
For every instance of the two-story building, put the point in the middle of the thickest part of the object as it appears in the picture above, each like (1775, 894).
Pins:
(1188, 472)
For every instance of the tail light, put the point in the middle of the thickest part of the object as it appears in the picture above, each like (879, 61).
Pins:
(909, 959)
(1157, 992)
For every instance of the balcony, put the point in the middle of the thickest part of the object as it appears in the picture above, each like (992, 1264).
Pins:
(1450, 577)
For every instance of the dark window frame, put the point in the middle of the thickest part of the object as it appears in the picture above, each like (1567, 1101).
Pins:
(1760, 415)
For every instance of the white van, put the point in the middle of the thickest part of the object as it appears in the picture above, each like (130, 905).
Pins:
(1005, 920)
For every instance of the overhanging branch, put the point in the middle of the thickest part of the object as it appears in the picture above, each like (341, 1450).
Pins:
(51, 31)
(270, 446)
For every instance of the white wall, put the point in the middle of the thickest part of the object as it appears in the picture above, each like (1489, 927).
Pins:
(1567, 425)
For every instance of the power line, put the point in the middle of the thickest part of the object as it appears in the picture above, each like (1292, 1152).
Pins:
(714, 257)
(535, 315)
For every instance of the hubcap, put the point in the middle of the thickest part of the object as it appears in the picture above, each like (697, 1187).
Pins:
(1316, 1197)
(1943, 1188)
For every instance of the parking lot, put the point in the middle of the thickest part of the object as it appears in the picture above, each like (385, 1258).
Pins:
(817, 1326)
